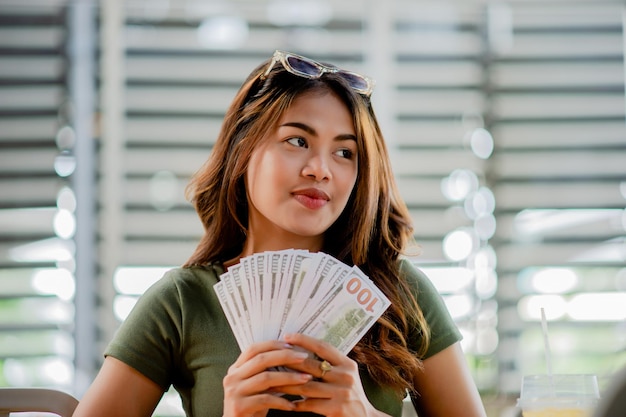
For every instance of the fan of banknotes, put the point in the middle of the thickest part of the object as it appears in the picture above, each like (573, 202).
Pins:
(273, 293)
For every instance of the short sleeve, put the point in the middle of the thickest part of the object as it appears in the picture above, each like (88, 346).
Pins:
(149, 339)
(443, 330)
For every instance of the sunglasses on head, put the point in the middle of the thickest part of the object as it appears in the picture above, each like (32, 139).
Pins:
(307, 68)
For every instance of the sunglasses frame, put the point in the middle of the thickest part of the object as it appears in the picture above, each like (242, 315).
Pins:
(283, 58)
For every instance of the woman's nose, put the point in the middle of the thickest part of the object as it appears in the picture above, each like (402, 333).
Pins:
(317, 167)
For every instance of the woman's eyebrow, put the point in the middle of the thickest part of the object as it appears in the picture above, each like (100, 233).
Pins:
(308, 129)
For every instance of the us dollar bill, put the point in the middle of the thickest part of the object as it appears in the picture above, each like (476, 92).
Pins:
(273, 293)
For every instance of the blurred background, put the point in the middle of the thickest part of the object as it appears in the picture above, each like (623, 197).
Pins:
(505, 120)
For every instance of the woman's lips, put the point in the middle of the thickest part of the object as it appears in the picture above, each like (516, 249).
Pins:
(311, 198)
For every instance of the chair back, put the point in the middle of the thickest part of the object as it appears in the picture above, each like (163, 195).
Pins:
(24, 400)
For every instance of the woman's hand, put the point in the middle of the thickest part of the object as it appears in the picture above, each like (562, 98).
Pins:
(337, 392)
(249, 385)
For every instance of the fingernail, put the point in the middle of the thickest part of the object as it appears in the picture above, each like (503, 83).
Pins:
(302, 355)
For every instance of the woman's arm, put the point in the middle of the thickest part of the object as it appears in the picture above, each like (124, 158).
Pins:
(119, 390)
(445, 388)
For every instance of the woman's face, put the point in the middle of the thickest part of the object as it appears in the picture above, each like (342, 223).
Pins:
(300, 178)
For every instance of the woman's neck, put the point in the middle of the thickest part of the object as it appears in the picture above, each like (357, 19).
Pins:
(252, 246)
(280, 242)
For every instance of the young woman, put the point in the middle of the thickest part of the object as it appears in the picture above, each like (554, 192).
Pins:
(300, 163)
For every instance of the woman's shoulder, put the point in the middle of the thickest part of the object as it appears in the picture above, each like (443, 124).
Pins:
(209, 272)
(419, 282)
(188, 278)
(411, 272)
(443, 329)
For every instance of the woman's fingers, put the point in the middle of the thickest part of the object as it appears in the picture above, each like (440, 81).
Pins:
(260, 347)
(326, 359)
(250, 405)
(319, 347)
(261, 382)
(250, 382)
(266, 355)
(327, 380)
(257, 369)
(313, 389)
(337, 389)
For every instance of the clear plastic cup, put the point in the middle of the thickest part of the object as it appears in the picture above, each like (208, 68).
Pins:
(560, 395)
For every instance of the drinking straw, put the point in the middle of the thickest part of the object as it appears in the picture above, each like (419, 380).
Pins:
(546, 342)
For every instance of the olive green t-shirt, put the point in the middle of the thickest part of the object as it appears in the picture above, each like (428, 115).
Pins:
(178, 335)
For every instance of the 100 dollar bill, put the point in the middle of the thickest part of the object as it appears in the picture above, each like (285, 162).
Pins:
(269, 294)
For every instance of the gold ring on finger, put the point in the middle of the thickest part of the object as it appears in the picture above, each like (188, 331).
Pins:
(325, 366)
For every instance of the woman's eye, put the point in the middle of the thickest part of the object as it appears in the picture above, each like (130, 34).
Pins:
(345, 153)
(297, 141)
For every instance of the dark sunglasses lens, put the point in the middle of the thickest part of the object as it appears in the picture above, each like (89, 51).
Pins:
(303, 66)
(355, 81)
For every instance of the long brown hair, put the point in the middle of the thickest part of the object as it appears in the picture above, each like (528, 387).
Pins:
(372, 232)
